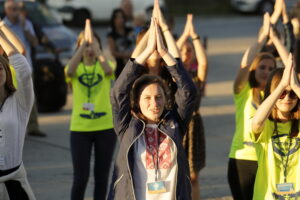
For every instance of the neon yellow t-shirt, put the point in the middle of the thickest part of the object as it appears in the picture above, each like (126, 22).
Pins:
(14, 76)
(92, 113)
(242, 146)
(270, 168)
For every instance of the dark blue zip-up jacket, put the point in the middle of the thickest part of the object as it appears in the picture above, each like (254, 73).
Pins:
(130, 128)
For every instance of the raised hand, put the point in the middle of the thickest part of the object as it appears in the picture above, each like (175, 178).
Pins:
(151, 44)
(294, 82)
(161, 20)
(265, 28)
(285, 16)
(96, 47)
(193, 32)
(161, 48)
(286, 77)
(88, 33)
(277, 11)
(186, 31)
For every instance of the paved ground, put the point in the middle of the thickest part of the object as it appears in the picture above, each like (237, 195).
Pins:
(48, 161)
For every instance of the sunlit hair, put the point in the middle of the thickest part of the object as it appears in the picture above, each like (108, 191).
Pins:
(137, 88)
(272, 82)
(81, 37)
(252, 80)
(9, 86)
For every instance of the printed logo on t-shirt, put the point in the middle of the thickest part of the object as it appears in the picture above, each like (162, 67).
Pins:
(284, 148)
(157, 140)
(90, 80)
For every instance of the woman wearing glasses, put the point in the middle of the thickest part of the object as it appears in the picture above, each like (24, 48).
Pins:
(275, 129)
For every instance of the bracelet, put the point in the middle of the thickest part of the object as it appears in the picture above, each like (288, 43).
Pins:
(196, 38)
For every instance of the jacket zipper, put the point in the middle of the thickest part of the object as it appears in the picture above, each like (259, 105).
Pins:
(117, 181)
(127, 157)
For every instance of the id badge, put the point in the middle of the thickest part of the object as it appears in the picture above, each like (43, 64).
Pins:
(285, 188)
(156, 187)
(88, 106)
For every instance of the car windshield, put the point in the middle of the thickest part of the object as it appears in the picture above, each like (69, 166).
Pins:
(40, 14)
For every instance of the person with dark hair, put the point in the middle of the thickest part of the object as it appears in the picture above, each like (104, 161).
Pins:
(15, 107)
(151, 163)
(120, 39)
(275, 130)
(194, 59)
(91, 77)
(248, 87)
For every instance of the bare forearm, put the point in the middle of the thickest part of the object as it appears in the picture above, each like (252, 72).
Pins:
(265, 109)
(104, 64)
(13, 38)
(74, 61)
(140, 46)
(181, 41)
(169, 59)
(244, 71)
(7, 46)
(201, 59)
(282, 51)
(171, 44)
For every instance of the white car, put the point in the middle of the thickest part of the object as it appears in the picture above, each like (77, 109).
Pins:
(99, 10)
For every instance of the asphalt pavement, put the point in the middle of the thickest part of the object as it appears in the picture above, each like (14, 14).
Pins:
(48, 160)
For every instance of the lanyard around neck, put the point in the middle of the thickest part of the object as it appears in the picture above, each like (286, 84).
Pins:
(285, 165)
(90, 81)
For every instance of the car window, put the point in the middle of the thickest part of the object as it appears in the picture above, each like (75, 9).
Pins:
(40, 14)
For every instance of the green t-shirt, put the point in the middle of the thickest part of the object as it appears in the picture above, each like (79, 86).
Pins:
(242, 147)
(271, 149)
(92, 110)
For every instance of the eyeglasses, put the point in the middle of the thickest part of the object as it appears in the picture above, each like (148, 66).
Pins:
(290, 93)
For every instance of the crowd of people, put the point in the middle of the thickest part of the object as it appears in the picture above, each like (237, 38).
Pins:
(140, 114)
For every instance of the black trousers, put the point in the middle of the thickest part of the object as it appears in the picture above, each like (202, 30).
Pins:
(14, 188)
(81, 150)
(241, 177)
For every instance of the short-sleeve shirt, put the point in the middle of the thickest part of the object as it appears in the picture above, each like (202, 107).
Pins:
(94, 79)
(242, 146)
(272, 151)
